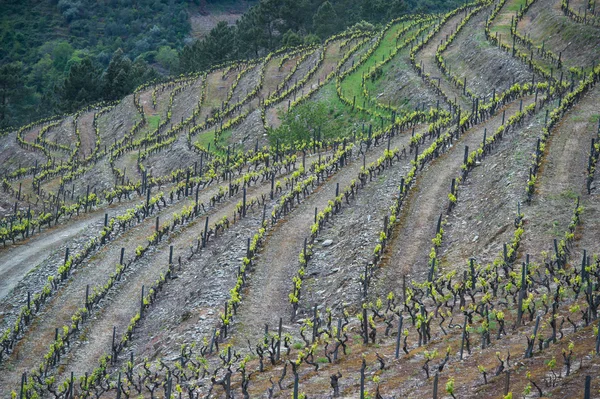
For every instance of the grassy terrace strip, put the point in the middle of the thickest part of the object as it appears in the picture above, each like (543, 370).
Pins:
(346, 77)
(376, 71)
(335, 71)
(271, 102)
(589, 16)
(564, 104)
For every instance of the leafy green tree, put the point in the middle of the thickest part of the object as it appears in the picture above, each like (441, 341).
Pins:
(363, 26)
(374, 10)
(291, 39)
(325, 21)
(61, 54)
(311, 39)
(303, 122)
(217, 47)
(141, 72)
(348, 11)
(35, 32)
(295, 14)
(81, 86)
(42, 74)
(249, 34)
(220, 43)
(167, 58)
(115, 79)
(269, 21)
(396, 9)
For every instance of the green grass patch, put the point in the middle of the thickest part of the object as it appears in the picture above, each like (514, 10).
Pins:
(351, 120)
(351, 85)
(570, 194)
(153, 122)
(209, 137)
(514, 6)
(397, 64)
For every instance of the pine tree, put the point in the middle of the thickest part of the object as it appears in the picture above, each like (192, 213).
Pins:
(11, 85)
(81, 86)
(325, 21)
(115, 82)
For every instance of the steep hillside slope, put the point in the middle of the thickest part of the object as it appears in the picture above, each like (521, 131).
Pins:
(410, 212)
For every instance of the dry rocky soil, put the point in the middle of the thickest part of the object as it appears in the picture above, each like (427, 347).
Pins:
(323, 272)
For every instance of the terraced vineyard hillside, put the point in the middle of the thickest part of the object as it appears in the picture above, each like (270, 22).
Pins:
(445, 244)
